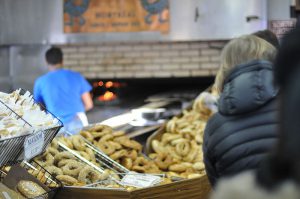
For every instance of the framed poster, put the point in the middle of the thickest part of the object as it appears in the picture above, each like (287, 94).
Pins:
(93, 16)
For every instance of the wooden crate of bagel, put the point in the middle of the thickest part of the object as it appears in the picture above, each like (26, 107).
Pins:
(174, 150)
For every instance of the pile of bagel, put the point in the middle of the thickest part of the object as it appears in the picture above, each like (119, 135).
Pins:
(178, 151)
(120, 148)
(69, 169)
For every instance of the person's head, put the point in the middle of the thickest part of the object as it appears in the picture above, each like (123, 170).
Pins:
(269, 36)
(242, 50)
(288, 59)
(54, 57)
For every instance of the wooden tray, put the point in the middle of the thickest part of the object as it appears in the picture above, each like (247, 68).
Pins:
(197, 188)
(157, 134)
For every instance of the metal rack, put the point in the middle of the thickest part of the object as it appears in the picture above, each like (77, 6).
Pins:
(105, 161)
(12, 149)
(102, 158)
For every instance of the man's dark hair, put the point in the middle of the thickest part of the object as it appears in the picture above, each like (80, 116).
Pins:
(54, 56)
(269, 36)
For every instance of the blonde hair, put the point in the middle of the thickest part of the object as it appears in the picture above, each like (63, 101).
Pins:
(242, 50)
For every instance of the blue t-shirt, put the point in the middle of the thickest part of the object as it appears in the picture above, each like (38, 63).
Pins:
(61, 91)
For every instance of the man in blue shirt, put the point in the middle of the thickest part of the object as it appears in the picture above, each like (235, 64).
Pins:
(65, 93)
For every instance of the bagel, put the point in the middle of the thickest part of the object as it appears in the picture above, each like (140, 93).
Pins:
(40, 175)
(188, 136)
(91, 153)
(199, 166)
(152, 155)
(72, 169)
(54, 143)
(101, 128)
(45, 159)
(118, 154)
(106, 138)
(199, 157)
(181, 167)
(171, 174)
(190, 157)
(132, 144)
(176, 141)
(62, 163)
(87, 135)
(182, 148)
(98, 135)
(78, 143)
(120, 139)
(65, 141)
(85, 155)
(171, 125)
(30, 189)
(170, 150)
(106, 147)
(140, 165)
(167, 137)
(63, 155)
(127, 162)
(183, 124)
(88, 175)
(53, 170)
(166, 181)
(194, 175)
(67, 180)
(53, 151)
(152, 168)
(118, 133)
(163, 161)
(116, 145)
(132, 154)
(187, 130)
(199, 138)
(112, 173)
(157, 147)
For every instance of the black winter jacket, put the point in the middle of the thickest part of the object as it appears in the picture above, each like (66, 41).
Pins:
(239, 136)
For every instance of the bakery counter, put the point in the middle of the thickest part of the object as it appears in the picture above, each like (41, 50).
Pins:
(197, 188)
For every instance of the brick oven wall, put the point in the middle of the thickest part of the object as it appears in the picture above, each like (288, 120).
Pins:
(144, 60)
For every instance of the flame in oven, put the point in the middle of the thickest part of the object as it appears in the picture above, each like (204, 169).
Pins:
(107, 96)
(107, 91)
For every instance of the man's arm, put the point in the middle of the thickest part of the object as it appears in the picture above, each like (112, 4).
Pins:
(87, 101)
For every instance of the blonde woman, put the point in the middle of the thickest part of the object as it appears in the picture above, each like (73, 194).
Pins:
(244, 129)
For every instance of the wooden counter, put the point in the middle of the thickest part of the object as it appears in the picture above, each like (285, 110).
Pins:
(198, 188)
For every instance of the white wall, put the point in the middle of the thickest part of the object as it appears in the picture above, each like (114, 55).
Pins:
(5, 78)
(279, 9)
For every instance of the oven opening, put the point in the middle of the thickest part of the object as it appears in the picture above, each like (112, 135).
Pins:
(107, 92)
